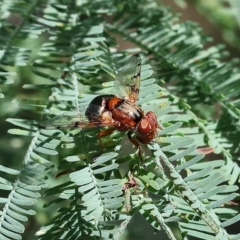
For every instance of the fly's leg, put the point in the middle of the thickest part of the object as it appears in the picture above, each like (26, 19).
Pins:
(135, 143)
(64, 74)
(101, 135)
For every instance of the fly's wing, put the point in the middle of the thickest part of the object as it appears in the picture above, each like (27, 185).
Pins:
(71, 120)
(66, 120)
(127, 80)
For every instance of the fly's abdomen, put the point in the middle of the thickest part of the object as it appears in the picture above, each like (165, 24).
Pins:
(97, 107)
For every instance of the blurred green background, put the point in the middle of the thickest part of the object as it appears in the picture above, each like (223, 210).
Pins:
(219, 19)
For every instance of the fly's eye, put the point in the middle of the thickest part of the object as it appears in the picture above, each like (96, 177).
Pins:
(144, 124)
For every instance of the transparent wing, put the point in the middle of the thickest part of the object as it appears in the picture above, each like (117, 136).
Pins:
(127, 80)
(63, 121)
(70, 120)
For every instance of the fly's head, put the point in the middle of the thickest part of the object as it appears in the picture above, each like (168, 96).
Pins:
(147, 128)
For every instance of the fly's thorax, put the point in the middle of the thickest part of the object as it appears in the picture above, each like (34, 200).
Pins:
(130, 109)
(114, 102)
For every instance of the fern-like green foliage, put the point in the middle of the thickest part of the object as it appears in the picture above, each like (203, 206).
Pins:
(223, 14)
(177, 185)
(10, 54)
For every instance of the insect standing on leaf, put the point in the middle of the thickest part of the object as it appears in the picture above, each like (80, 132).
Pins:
(121, 112)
